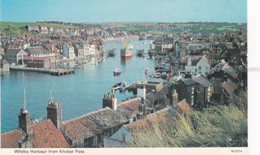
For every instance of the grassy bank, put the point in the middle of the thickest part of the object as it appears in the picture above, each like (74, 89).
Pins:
(18, 28)
(219, 126)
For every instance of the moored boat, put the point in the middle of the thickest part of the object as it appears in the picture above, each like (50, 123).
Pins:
(117, 71)
(111, 53)
(140, 53)
(117, 86)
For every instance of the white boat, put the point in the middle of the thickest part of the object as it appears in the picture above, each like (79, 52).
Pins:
(117, 86)
(127, 52)
(117, 71)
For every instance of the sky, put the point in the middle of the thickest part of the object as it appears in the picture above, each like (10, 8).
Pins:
(124, 10)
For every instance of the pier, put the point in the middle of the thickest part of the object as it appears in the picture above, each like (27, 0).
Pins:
(57, 72)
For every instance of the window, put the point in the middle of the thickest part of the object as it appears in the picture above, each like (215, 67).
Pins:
(199, 67)
(192, 100)
(192, 90)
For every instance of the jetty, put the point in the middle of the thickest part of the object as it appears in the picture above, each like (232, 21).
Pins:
(57, 72)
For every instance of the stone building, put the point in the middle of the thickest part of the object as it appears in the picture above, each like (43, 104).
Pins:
(15, 56)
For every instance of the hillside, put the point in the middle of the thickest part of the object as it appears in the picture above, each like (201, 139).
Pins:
(18, 28)
(219, 126)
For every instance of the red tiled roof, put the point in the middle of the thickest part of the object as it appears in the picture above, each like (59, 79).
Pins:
(168, 113)
(10, 139)
(157, 117)
(184, 107)
(46, 135)
(131, 104)
(129, 108)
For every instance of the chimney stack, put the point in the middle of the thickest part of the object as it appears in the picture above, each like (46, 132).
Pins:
(142, 112)
(24, 121)
(54, 112)
(174, 98)
(110, 101)
(188, 74)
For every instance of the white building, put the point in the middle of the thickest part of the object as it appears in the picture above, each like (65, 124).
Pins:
(68, 51)
(89, 50)
(195, 65)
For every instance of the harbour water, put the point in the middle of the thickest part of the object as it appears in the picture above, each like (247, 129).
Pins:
(78, 93)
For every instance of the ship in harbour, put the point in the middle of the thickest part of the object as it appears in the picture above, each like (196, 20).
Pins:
(127, 51)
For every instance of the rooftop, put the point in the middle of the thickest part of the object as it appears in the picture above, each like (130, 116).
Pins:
(168, 113)
(10, 139)
(36, 50)
(188, 81)
(202, 81)
(230, 70)
(229, 86)
(46, 135)
(13, 51)
(90, 124)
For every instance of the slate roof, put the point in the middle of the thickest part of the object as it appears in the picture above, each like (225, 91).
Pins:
(154, 96)
(202, 81)
(36, 50)
(112, 143)
(194, 46)
(230, 70)
(12, 51)
(194, 60)
(46, 135)
(188, 81)
(92, 123)
(10, 139)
